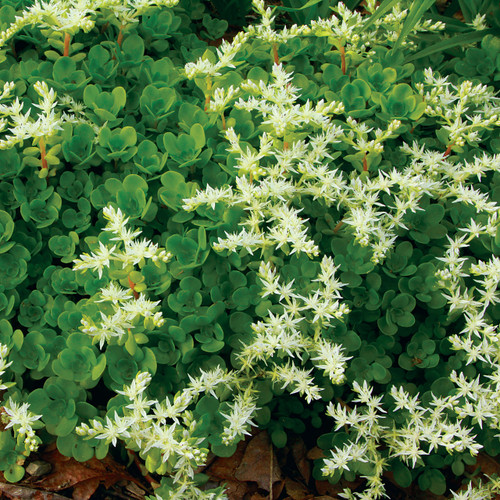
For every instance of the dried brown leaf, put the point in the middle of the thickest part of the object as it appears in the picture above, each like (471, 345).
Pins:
(315, 453)
(296, 490)
(225, 467)
(85, 489)
(259, 462)
(299, 454)
(235, 490)
(16, 492)
(82, 476)
(326, 489)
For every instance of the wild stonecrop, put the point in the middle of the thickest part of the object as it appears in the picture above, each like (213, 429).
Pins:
(168, 439)
(297, 225)
(129, 304)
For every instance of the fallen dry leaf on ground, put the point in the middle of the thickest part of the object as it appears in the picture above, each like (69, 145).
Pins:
(16, 492)
(259, 463)
(225, 467)
(83, 477)
(296, 490)
(299, 454)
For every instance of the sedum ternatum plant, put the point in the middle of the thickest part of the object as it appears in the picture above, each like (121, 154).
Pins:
(293, 228)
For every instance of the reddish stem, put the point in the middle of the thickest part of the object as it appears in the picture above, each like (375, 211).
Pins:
(342, 59)
(209, 89)
(286, 145)
(43, 153)
(67, 40)
(223, 121)
(365, 164)
(336, 229)
(132, 287)
(448, 150)
(119, 40)
(275, 54)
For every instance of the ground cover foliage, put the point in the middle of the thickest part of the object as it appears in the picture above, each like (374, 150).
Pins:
(295, 227)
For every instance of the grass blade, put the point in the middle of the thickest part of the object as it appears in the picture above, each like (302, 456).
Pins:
(310, 3)
(469, 9)
(416, 12)
(384, 7)
(450, 43)
(352, 4)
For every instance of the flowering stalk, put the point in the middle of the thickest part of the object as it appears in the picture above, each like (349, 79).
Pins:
(4, 364)
(149, 425)
(70, 17)
(125, 312)
(464, 110)
(23, 422)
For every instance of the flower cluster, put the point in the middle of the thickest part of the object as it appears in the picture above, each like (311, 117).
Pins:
(169, 427)
(23, 423)
(4, 352)
(465, 110)
(227, 51)
(275, 176)
(72, 16)
(134, 251)
(354, 34)
(128, 305)
(479, 338)
(297, 330)
(125, 313)
(481, 491)
(264, 30)
(267, 201)
(23, 126)
(421, 431)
